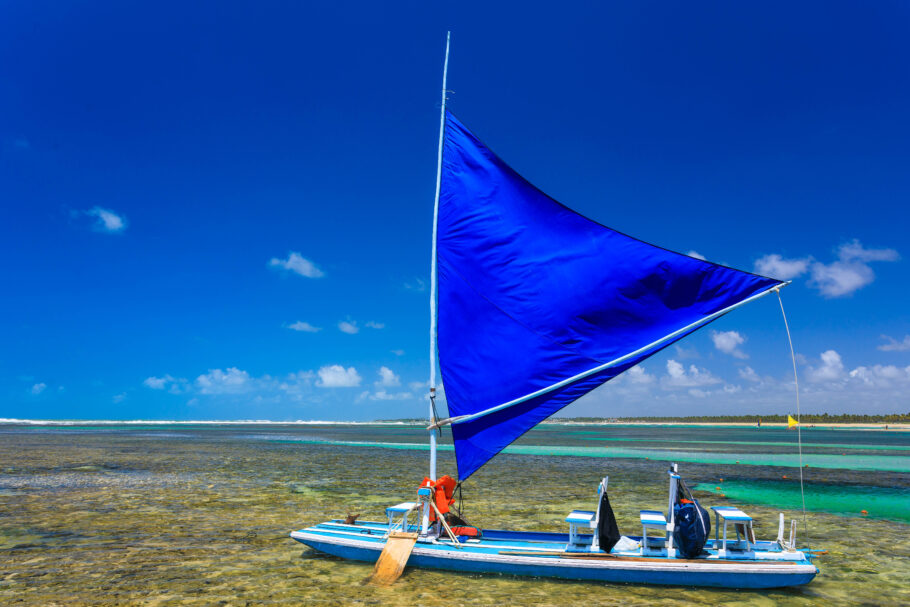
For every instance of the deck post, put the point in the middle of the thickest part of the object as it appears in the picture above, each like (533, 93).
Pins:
(671, 519)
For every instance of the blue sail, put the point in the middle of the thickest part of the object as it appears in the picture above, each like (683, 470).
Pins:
(538, 305)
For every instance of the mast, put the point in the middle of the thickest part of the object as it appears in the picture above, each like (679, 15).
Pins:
(442, 123)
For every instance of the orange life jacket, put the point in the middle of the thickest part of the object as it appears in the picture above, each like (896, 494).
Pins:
(443, 493)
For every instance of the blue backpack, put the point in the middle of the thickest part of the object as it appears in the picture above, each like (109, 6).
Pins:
(693, 525)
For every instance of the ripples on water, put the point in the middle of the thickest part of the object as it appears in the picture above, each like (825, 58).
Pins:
(200, 515)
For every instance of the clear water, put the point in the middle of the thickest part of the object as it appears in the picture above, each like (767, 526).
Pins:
(177, 514)
(875, 502)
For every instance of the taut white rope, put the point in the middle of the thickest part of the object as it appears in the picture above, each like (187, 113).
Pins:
(799, 436)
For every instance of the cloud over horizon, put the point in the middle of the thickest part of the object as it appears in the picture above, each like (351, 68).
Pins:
(336, 376)
(230, 381)
(679, 377)
(388, 378)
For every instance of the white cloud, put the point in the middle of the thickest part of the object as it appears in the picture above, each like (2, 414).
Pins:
(696, 255)
(883, 376)
(678, 377)
(348, 326)
(839, 279)
(119, 398)
(304, 327)
(749, 374)
(686, 353)
(297, 264)
(336, 376)
(397, 352)
(830, 386)
(175, 385)
(301, 377)
(842, 277)
(39, 388)
(216, 381)
(776, 266)
(387, 378)
(418, 284)
(831, 368)
(851, 272)
(854, 251)
(383, 395)
(295, 385)
(157, 383)
(634, 382)
(895, 346)
(728, 342)
(107, 220)
(351, 327)
(638, 375)
(233, 382)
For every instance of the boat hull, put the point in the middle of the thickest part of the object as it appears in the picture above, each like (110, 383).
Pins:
(499, 556)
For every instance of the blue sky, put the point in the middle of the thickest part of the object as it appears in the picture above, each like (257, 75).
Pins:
(222, 210)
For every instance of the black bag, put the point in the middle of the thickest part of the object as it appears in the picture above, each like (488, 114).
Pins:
(693, 525)
(607, 531)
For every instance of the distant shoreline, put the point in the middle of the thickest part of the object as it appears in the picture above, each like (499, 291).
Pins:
(414, 422)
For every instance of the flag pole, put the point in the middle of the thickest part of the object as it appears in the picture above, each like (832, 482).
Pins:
(442, 122)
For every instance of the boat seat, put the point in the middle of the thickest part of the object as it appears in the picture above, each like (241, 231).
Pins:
(652, 519)
(580, 519)
(403, 509)
(742, 524)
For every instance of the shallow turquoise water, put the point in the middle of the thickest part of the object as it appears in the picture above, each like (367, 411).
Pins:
(891, 503)
(790, 460)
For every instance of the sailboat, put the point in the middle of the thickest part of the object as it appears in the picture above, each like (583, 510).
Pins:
(538, 305)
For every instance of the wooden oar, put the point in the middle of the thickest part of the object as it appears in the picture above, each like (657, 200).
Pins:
(445, 525)
(393, 558)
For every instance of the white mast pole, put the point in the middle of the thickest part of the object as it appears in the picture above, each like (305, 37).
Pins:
(442, 124)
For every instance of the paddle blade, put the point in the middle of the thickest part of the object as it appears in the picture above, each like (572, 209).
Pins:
(393, 558)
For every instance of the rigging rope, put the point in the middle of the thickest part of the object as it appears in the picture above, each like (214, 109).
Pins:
(799, 436)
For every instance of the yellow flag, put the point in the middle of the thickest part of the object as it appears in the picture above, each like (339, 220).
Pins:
(791, 422)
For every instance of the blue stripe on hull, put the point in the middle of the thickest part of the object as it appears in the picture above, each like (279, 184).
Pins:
(613, 575)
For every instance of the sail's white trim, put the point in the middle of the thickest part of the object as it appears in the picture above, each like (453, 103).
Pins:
(466, 418)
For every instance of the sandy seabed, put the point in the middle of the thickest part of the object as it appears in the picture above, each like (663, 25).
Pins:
(202, 517)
